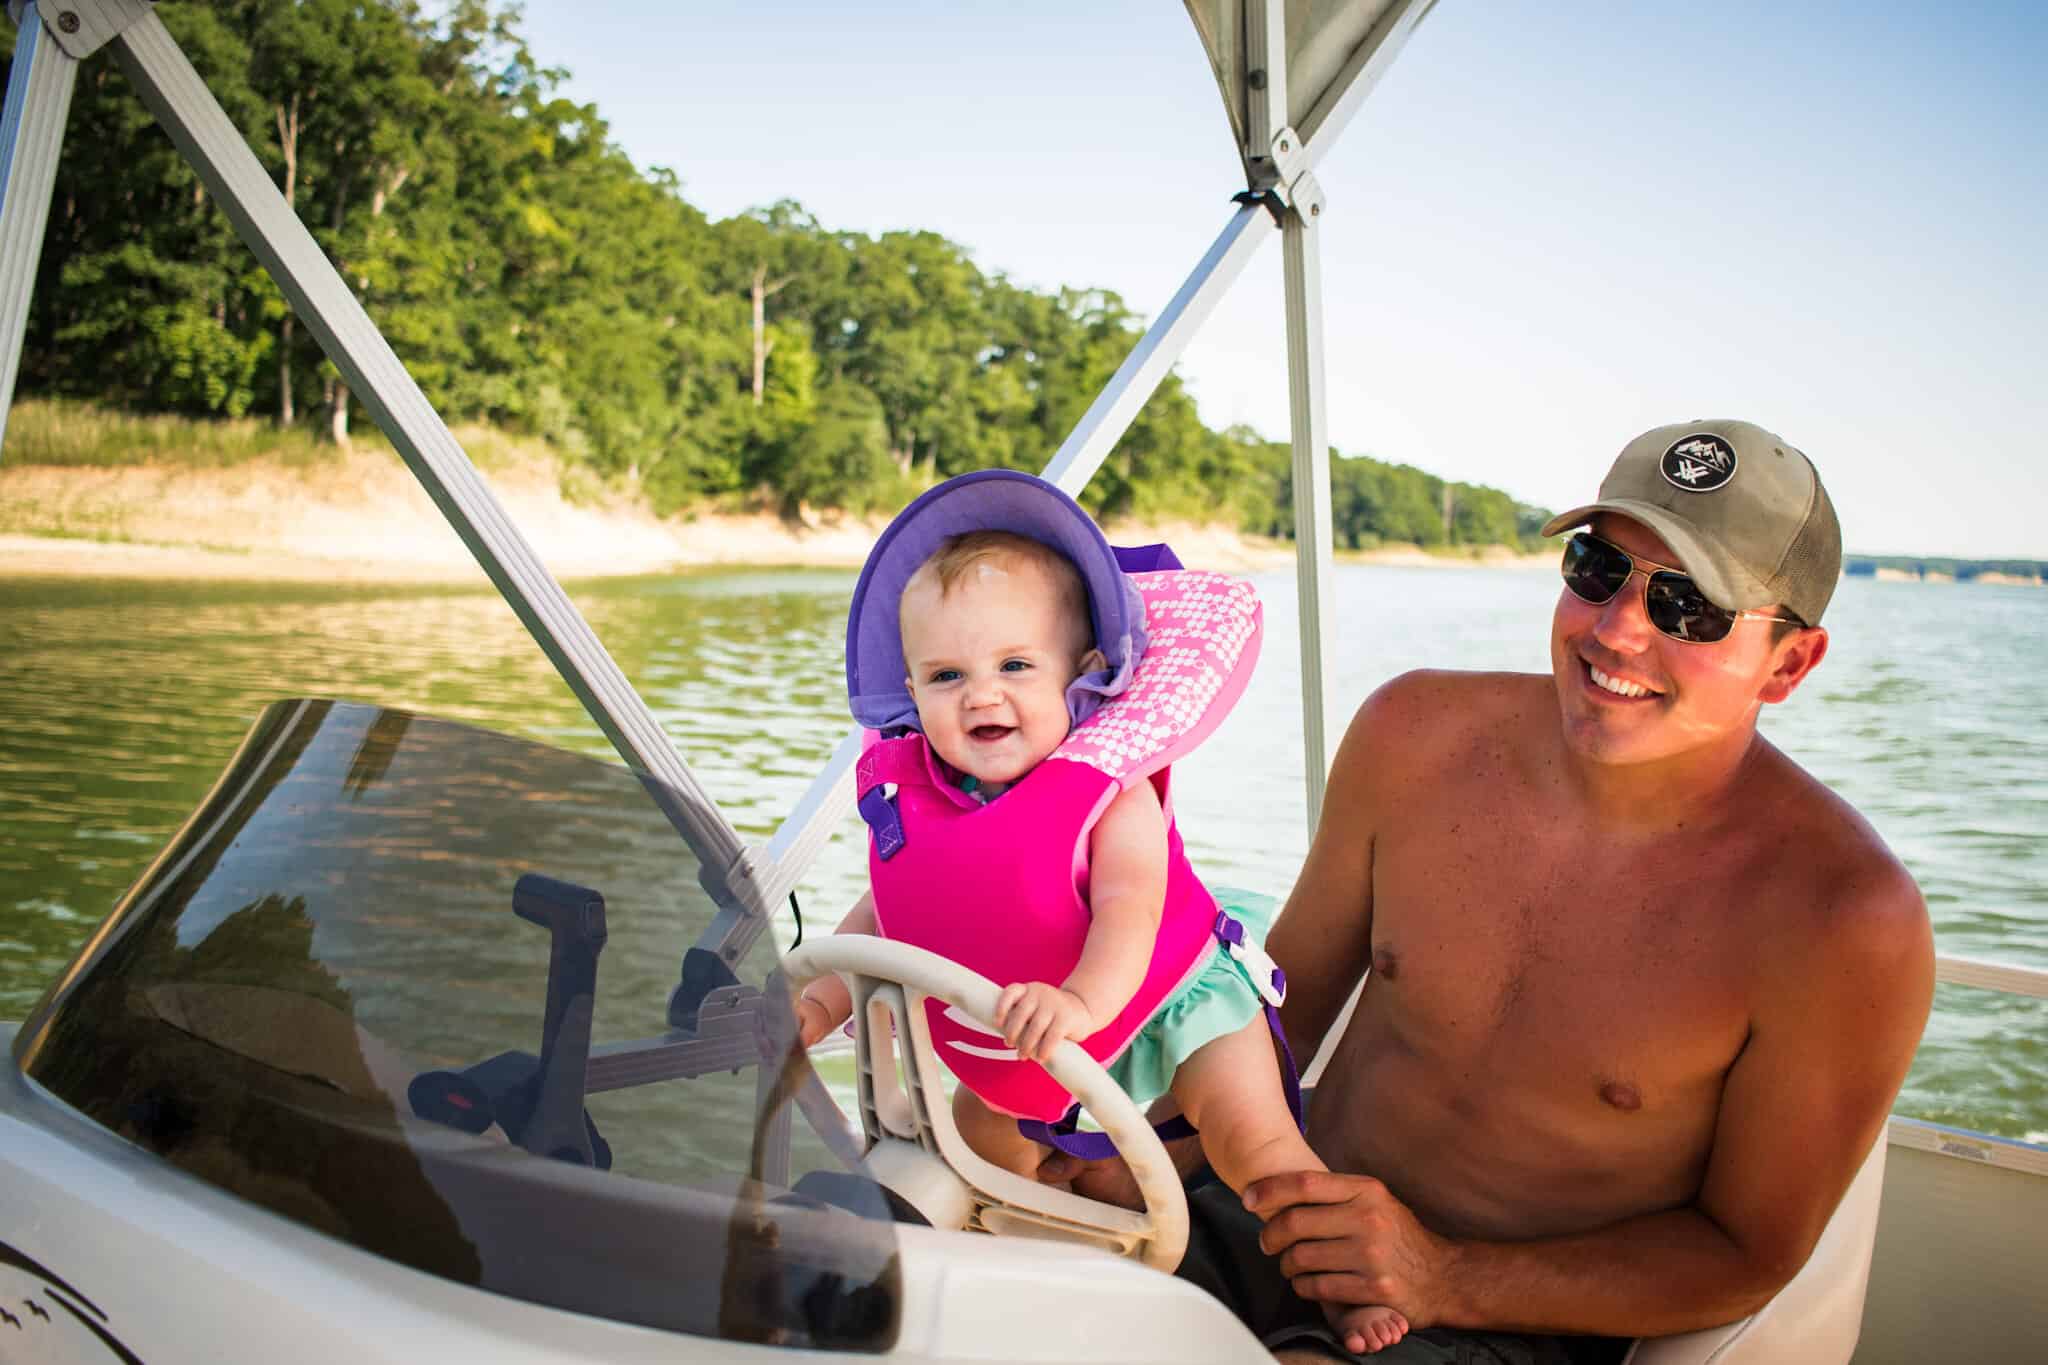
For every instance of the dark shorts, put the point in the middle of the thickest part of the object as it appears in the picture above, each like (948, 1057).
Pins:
(1224, 1258)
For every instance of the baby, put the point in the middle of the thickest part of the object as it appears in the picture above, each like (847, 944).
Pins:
(995, 626)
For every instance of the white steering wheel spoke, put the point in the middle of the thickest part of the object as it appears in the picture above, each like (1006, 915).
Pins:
(914, 1146)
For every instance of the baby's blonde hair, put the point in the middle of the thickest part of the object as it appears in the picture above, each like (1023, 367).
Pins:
(959, 553)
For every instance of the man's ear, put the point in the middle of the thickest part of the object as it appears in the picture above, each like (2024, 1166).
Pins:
(1094, 661)
(1795, 656)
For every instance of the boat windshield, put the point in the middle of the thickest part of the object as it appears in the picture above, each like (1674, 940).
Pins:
(408, 983)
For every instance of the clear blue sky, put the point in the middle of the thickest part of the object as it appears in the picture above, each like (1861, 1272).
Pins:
(1550, 227)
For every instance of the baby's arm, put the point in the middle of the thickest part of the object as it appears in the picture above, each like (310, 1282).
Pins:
(825, 1003)
(1126, 890)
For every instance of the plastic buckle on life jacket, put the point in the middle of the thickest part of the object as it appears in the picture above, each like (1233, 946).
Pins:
(1265, 972)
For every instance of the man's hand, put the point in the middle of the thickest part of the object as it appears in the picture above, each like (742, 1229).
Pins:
(1344, 1239)
(1036, 1017)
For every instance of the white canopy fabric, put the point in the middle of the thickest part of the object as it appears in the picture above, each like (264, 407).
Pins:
(1331, 44)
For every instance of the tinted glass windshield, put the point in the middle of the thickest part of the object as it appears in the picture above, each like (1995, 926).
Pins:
(409, 983)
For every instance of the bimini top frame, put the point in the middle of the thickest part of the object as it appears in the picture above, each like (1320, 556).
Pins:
(1336, 50)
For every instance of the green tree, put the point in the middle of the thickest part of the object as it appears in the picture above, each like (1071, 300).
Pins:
(530, 276)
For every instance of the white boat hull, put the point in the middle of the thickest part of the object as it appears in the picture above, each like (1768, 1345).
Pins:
(132, 1259)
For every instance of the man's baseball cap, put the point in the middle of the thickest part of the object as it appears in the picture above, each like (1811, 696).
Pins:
(1744, 512)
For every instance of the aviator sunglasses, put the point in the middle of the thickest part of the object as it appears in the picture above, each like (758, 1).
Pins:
(1595, 570)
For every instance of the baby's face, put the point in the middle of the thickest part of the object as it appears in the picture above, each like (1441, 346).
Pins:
(989, 663)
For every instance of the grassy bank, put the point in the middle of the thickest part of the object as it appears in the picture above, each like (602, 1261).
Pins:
(84, 490)
(68, 434)
(65, 433)
(243, 498)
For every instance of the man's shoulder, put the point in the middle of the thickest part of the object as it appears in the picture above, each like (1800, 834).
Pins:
(1418, 731)
(1437, 709)
(1843, 952)
(1855, 890)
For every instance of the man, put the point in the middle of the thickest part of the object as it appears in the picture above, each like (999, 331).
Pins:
(1642, 990)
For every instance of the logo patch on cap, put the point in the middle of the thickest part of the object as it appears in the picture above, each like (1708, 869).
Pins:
(1698, 464)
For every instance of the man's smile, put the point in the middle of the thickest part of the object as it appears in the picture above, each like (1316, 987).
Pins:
(1612, 685)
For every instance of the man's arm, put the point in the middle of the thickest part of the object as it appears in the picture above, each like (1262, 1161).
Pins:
(1833, 1034)
(1323, 938)
(1837, 1023)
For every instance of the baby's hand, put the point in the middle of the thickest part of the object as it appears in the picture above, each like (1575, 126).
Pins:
(1036, 1017)
(813, 1020)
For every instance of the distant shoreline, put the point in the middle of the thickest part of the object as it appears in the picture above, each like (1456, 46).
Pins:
(364, 519)
(1887, 574)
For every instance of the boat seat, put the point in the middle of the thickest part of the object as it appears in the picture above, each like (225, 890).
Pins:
(1816, 1317)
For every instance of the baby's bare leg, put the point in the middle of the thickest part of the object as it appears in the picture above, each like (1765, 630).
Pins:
(994, 1137)
(1230, 1089)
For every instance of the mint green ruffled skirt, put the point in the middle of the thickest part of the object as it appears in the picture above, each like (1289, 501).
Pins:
(1220, 1000)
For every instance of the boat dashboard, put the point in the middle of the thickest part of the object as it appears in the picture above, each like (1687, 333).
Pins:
(362, 990)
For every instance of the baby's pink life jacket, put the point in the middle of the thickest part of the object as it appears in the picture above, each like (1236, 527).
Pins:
(1003, 888)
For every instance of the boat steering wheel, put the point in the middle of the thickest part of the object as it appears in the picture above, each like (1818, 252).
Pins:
(913, 1146)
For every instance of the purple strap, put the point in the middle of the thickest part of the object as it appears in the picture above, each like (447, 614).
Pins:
(1146, 558)
(1290, 1074)
(1062, 1134)
(880, 812)
(891, 760)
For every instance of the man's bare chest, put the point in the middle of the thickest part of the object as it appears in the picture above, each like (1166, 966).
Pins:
(1508, 953)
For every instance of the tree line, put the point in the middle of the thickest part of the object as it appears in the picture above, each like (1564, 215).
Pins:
(531, 277)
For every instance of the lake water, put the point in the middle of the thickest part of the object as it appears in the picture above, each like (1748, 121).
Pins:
(120, 702)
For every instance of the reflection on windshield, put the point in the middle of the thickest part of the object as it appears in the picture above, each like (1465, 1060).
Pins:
(409, 984)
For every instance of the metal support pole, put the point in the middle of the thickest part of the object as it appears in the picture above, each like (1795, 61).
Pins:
(1265, 73)
(179, 99)
(31, 137)
(1313, 566)
(1117, 406)
(1276, 154)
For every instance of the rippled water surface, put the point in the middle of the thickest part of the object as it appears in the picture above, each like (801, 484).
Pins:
(120, 702)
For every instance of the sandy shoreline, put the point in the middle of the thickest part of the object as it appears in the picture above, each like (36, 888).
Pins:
(364, 519)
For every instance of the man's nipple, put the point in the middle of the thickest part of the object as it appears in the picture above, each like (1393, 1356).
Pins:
(1386, 963)
(1622, 1096)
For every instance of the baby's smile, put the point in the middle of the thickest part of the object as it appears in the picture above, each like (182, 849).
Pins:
(988, 661)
